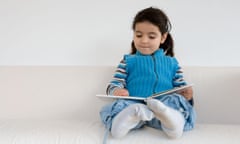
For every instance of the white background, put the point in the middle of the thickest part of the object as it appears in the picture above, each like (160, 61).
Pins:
(93, 32)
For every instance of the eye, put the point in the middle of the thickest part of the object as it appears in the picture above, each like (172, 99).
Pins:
(138, 35)
(152, 37)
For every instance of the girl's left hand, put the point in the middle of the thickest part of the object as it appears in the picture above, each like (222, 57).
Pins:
(187, 93)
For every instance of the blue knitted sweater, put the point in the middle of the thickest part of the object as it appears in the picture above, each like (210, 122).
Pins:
(145, 75)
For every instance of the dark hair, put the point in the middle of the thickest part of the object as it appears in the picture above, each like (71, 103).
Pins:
(159, 19)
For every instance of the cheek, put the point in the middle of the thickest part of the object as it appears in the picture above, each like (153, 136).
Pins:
(136, 41)
(155, 43)
(158, 43)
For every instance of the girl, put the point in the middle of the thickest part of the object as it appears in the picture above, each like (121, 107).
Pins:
(150, 68)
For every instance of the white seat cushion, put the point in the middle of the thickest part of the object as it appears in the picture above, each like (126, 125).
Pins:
(92, 132)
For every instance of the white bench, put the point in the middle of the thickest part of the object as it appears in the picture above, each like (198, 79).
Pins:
(57, 105)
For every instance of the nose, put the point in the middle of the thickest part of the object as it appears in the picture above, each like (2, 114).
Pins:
(144, 39)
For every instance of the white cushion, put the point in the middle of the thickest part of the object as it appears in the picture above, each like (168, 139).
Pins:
(92, 132)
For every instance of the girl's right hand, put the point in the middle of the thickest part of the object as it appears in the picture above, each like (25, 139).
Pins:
(121, 92)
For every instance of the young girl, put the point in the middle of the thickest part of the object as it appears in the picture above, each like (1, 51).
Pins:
(150, 68)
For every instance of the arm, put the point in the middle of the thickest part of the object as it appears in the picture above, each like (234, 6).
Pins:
(179, 81)
(118, 83)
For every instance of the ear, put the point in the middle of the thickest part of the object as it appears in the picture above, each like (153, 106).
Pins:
(164, 37)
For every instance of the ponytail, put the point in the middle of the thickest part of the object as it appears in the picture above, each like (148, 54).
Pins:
(168, 45)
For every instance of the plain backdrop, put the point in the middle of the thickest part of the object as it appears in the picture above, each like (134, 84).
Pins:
(92, 32)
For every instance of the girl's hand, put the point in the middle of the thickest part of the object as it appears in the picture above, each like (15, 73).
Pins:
(121, 92)
(187, 93)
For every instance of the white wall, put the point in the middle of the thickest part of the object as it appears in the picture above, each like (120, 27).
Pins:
(74, 32)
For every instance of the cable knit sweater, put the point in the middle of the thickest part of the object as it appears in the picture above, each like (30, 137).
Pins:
(145, 75)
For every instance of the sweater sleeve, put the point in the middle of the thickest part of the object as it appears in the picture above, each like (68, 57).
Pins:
(179, 78)
(119, 78)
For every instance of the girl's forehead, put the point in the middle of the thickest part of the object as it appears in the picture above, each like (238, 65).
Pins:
(146, 27)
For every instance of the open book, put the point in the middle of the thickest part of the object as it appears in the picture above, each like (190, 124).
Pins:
(174, 90)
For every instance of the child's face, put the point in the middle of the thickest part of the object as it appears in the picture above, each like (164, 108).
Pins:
(147, 38)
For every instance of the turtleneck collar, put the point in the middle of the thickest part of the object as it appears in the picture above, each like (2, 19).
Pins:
(157, 52)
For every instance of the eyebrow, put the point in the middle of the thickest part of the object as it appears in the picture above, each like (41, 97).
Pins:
(151, 33)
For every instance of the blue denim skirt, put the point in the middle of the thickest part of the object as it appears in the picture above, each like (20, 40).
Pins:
(174, 101)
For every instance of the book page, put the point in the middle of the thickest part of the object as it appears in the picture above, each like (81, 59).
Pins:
(120, 97)
(176, 89)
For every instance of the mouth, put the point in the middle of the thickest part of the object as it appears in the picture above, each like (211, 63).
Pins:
(144, 48)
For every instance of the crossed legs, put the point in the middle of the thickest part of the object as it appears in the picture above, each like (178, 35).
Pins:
(172, 121)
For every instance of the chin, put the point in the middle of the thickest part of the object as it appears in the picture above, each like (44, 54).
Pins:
(146, 52)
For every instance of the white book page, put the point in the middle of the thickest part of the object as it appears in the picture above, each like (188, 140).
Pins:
(176, 89)
(120, 97)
